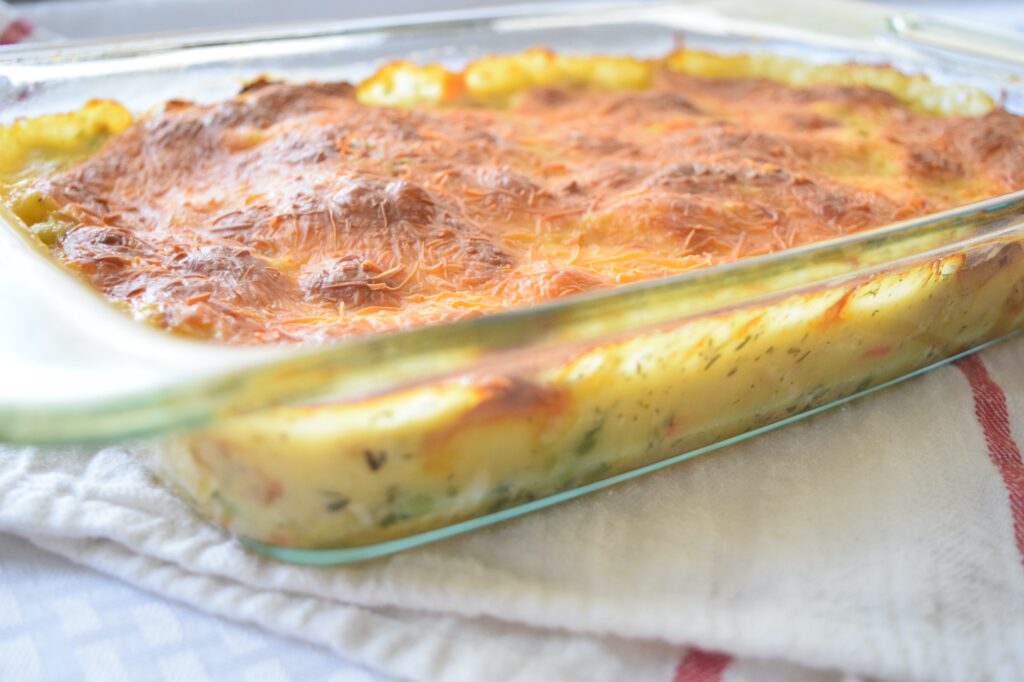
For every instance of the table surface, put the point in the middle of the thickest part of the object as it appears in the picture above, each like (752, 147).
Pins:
(61, 621)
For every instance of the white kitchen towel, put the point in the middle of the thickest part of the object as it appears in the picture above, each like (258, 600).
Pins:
(882, 539)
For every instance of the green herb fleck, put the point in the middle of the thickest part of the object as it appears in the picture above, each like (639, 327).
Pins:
(335, 500)
(589, 439)
(375, 459)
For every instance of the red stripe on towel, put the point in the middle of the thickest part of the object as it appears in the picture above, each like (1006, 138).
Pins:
(15, 32)
(994, 417)
(701, 666)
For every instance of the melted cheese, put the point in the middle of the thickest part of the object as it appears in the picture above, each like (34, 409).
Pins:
(311, 212)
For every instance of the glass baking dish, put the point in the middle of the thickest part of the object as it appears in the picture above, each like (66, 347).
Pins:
(378, 443)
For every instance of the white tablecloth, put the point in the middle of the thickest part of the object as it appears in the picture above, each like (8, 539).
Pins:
(61, 621)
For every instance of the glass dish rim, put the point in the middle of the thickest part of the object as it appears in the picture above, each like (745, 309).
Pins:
(287, 356)
(311, 358)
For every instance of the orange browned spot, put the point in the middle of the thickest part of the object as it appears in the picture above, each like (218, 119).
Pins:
(744, 329)
(293, 213)
(501, 398)
(271, 490)
(877, 352)
(834, 313)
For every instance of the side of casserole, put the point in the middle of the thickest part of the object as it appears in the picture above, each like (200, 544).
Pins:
(304, 213)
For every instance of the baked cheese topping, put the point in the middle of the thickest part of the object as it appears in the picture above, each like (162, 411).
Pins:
(306, 212)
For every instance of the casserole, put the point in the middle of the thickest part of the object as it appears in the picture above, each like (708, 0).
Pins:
(565, 396)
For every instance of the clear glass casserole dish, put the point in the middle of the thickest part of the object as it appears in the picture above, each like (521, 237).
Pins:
(378, 443)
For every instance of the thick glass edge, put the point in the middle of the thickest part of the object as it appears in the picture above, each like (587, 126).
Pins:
(217, 393)
(848, 17)
(998, 45)
(348, 555)
(350, 366)
(844, 18)
(173, 41)
(536, 12)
